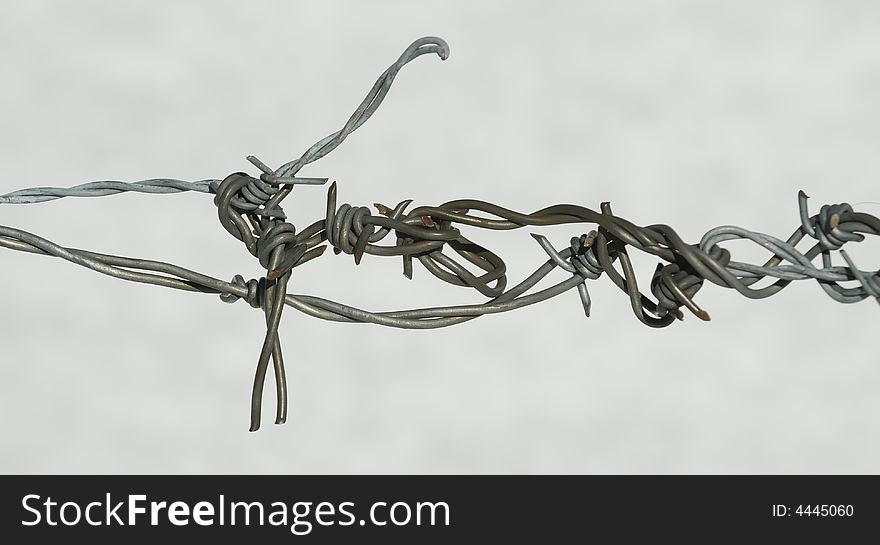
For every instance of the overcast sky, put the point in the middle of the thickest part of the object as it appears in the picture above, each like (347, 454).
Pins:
(694, 114)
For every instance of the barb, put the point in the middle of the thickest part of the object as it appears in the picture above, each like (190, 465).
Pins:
(250, 210)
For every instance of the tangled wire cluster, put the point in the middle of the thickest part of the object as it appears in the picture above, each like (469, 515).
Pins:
(250, 209)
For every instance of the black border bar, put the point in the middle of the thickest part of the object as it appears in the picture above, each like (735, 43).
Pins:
(540, 509)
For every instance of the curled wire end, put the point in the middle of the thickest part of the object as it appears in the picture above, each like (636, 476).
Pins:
(422, 46)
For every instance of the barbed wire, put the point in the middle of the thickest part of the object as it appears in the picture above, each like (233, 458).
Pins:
(250, 209)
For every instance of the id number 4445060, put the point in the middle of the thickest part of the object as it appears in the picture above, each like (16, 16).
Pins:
(812, 510)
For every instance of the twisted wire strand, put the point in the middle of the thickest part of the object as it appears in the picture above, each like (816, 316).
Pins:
(102, 188)
(250, 210)
(285, 174)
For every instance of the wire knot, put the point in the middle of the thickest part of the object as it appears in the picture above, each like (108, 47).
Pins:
(250, 195)
(348, 233)
(579, 259)
(255, 291)
(583, 256)
(264, 232)
(278, 249)
(674, 287)
(832, 227)
(676, 284)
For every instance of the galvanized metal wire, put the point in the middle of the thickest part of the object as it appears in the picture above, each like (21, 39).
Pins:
(249, 208)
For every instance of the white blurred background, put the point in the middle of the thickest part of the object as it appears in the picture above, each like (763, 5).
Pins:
(690, 113)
